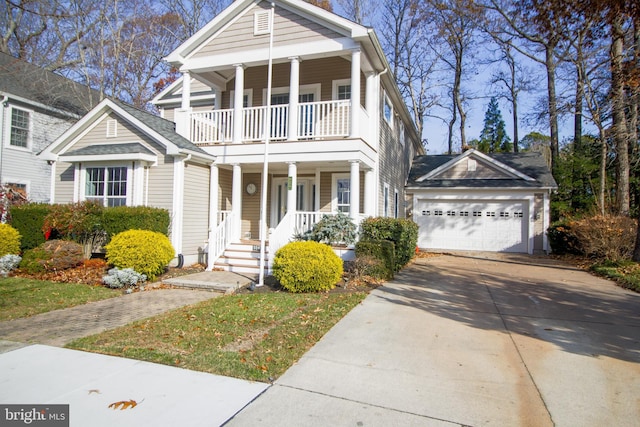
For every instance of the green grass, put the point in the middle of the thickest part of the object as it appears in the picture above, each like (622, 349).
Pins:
(21, 297)
(625, 273)
(250, 336)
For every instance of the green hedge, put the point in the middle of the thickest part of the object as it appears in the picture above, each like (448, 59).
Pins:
(402, 232)
(122, 218)
(28, 219)
(381, 250)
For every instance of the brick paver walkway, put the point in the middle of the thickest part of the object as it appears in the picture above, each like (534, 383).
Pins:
(60, 327)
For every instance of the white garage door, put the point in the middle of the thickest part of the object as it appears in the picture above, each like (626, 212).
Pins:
(475, 225)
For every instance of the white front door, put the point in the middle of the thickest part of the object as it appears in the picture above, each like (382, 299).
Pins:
(304, 199)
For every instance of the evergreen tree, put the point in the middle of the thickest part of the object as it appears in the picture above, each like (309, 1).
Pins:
(494, 137)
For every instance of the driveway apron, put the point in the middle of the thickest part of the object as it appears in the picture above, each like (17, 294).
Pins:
(471, 340)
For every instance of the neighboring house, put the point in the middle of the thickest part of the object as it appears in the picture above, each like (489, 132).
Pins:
(340, 138)
(482, 202)
(37, 107)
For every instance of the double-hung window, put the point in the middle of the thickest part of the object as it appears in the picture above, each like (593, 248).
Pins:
(106, 185)
(341, 193)
(20, 128)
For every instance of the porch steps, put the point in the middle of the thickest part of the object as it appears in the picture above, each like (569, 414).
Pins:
(242, 257)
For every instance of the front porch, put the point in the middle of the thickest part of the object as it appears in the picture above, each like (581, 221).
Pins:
(296, 201)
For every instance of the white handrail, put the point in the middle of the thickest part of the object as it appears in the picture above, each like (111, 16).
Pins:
(280, 236)
(222, 235)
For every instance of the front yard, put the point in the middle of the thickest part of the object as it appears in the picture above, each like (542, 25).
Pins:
(23, 297)
(251, 336)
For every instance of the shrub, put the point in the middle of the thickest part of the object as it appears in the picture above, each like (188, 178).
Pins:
(147, 252)
(402, 232)
(307, 267)
(53, 255)
(562, 240)
(122, 218)
(28, 219)
(333, 230)
(9, 262)
(80, 222)
(381, 250)
(128, 277)
(9, 240)
(608, 237)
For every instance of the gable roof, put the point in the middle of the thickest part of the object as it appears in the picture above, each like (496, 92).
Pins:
(35, 85)
(508, 170)
(155, 127)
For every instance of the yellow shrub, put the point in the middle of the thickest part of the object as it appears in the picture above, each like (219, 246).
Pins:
(9, 240)
(147, 252)
(307, 267)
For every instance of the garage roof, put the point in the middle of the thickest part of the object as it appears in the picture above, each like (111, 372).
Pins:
(494, 170)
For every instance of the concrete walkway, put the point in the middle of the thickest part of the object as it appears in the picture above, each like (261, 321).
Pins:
(471, 340)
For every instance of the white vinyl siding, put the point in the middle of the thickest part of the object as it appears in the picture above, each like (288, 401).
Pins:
(196, 209)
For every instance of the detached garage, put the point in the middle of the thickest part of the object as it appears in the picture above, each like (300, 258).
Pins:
(481, 202)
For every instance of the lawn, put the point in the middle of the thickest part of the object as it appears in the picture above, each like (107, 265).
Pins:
(625, 273)
(22, 297)
(251, 336)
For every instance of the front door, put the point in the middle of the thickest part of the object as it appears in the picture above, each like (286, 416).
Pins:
(304, 199)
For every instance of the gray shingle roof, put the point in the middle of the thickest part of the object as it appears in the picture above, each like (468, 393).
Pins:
(164, 127)
(530, 164)
(106, 149)
(25, 80)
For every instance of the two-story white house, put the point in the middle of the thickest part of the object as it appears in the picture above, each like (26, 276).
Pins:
(36, 106)
(283, 87)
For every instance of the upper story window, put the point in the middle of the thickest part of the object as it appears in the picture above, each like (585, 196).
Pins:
(342, 89)
(20, 128)
(387, 109)
(401, 135)
(261, 22)
(106, 185)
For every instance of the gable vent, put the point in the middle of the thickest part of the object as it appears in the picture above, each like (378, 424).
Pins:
(472, 165)
(261, 23)
(112, 128)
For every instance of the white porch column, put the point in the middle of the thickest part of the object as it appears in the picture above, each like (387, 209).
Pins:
(182, 117)
(292, 187)
(238, 104)
(236, 200)
(369, 192)
(545, 222)
(354, 191)
(294, 95)
(213, 211)
(355, 93)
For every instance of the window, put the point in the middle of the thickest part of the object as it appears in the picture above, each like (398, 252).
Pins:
(451, 213)
(477, 213)
(261, 23)
(426, 213)
(20, 128)
(387, 110)
(518, 215)
(343, 194)
(464, 213)
(396, 203)
(107, 185)
(437, 213)
(247, 98)
(385, 197)
(342, 89)
(401, 132)
(18, 189)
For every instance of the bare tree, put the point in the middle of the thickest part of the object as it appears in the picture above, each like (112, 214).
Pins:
(362, 12)
(193, 14)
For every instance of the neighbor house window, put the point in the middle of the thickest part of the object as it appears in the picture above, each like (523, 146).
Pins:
(396, 204)
(20, 128)
(342, 193)
(385, 197)
(107, 185)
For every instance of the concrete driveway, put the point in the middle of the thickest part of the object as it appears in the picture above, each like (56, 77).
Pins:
(471, 340)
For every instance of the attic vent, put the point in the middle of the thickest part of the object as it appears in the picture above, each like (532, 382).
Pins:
(261, 23)
(112, 128)
(471, 165)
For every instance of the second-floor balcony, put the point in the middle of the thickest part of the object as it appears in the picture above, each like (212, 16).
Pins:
(315, 120)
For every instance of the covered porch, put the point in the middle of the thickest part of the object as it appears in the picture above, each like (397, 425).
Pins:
(298, 195)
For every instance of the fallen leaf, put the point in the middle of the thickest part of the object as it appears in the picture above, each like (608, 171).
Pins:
(124, 404)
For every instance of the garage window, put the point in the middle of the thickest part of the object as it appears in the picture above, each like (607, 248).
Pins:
(518, 215)
(437, 213)
(464, 213)
(492, 214)
(504, 214)
(477, 213)
(451, 213)
(426, 213)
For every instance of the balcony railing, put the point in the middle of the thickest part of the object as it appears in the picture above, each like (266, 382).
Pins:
(316, 120)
